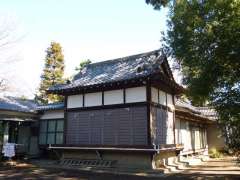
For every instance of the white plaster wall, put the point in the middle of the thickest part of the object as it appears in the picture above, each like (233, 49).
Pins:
(57, 114)
(154, 94)
(191, 138)
(170, 101)
(162, 98)
(197, 138)
(186, 136)
(75, 101)
(177, 131)
(170, 132)
(93, 99)
(113, 97)
(137, 94)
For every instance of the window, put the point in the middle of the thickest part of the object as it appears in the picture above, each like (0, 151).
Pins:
(51, 131)
(43, 132)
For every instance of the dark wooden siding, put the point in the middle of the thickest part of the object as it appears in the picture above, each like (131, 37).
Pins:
(121, 126)
(159, 126)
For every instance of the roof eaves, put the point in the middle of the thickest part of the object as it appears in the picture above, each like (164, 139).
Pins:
(52, 106)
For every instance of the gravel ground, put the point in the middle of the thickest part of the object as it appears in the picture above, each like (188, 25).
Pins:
(214, 169)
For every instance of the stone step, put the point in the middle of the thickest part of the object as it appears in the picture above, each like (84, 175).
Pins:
(173, 165)
(194, 160)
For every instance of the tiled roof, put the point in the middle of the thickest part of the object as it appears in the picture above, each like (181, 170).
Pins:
(126, 68)
(17, 104)
(52, 106)
(207, 112)
(25, 105)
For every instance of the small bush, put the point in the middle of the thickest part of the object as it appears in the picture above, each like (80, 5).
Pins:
(214, 153)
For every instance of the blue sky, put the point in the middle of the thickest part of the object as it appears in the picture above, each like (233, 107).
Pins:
(97, 30)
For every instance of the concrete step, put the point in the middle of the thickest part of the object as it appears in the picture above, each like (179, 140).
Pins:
(173, 165)
(194, 160)
(171, 169)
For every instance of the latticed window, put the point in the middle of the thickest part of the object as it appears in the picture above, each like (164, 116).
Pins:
(51, 131)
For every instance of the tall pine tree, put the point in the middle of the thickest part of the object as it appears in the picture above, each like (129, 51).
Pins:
(52, 74)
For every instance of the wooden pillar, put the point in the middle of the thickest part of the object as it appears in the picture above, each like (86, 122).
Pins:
(65, 120)
(148, 95)
(174, 119)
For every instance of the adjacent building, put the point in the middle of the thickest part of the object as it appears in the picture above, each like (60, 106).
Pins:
(19, 124)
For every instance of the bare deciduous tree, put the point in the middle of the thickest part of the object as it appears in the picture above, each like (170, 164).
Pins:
(8, 38)
(3, 85)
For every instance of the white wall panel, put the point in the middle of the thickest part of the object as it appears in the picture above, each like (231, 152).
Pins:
(57, 114)
(177, 131)
(170, 101)
(137, 94)
(113, 97)
(154, 94)
(170, 132)
(185, 136)
(93, 99)
(75, 101)
(162, 98)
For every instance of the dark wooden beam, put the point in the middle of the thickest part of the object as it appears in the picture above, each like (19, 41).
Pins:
(161, 80)
(161, 106)
(124, 95)
(65, 120)
(108, 106)
(149, 100)
(174, 120)
(102, 97)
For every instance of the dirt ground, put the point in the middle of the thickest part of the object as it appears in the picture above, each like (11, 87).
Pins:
(213, 169)
(225, 166)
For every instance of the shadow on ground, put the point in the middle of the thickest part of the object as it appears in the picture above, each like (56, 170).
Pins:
(33, 173)
(213, 169)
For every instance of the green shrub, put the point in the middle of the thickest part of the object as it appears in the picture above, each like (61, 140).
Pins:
(214, 153)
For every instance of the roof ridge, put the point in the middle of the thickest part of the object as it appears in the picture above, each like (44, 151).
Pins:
(125, 57)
